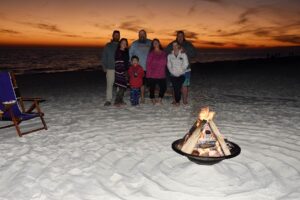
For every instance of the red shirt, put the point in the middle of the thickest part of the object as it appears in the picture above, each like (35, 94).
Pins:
(136, 74)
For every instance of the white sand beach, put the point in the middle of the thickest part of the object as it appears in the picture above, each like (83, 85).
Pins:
(92, 152)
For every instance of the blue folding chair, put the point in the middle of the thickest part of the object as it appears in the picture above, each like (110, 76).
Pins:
(12, 107)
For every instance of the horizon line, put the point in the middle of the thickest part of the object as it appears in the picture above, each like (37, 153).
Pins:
(102, 46)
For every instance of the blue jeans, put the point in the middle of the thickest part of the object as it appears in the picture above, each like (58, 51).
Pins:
(135, 94)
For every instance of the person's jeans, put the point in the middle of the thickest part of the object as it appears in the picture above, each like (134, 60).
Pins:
(177, 84)
(135, 94)
(162, 87)
(120, 95)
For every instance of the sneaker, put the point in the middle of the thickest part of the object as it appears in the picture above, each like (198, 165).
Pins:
(107, 103)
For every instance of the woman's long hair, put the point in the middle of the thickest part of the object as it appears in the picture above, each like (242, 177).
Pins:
(123, 39)
(152, 46)
(118, 52)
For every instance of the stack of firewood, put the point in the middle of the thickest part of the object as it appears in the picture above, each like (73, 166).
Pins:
(205, 139)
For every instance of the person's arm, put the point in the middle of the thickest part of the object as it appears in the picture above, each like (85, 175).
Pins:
(148, 62)
(141, 72)
(185, 61)
(126, 61)
(132, 50)
(191, 51)
(104, 59)
(169, 64)
(129, 71)
(169, 48)
(164, 64)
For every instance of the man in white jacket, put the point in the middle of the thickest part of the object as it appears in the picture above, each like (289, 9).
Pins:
(177, 65)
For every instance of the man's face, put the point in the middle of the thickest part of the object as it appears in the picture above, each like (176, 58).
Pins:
(116, 37)
(142, 36)
(180, 37)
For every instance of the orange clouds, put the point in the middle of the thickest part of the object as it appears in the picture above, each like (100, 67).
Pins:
(207, 23)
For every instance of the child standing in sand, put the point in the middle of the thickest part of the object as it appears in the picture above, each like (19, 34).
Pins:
(136, 75)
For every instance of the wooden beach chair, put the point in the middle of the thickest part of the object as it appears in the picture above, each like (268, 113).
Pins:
(12, 106)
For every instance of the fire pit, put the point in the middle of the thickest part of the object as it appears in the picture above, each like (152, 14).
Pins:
(206, 160)
(204, 144)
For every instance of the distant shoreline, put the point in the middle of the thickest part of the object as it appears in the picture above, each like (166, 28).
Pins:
(278, 65)
(287, 64)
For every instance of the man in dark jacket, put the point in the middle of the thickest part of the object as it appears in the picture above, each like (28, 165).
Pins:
(108, 64)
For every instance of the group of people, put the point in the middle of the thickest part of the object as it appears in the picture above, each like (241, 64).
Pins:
(146, 64)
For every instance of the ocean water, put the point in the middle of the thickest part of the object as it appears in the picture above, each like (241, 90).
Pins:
(49, 59)
(28, 60)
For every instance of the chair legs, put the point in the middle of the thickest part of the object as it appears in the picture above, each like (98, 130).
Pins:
(17, 122)
(20, 134)
(40, 113)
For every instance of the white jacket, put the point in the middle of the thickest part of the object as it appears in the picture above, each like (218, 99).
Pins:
(177, 65)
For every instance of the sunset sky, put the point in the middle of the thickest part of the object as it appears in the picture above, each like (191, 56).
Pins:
(208, 23)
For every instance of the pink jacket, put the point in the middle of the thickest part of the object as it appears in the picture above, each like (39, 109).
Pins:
(156, 65)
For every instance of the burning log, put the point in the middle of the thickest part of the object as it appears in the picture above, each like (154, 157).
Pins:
(191, 141)
(196, 141)
(219, 137)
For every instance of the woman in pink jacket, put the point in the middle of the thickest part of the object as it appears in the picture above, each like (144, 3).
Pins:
(156, 71)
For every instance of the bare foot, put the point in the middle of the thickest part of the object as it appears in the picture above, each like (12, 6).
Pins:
(153, 101)
(159, 101)
(117, 105)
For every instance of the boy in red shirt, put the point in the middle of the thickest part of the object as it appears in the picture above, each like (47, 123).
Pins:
(136, 74)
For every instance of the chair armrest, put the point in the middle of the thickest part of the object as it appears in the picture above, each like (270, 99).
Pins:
(38, 99)
(35, 104)
(8, 105)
